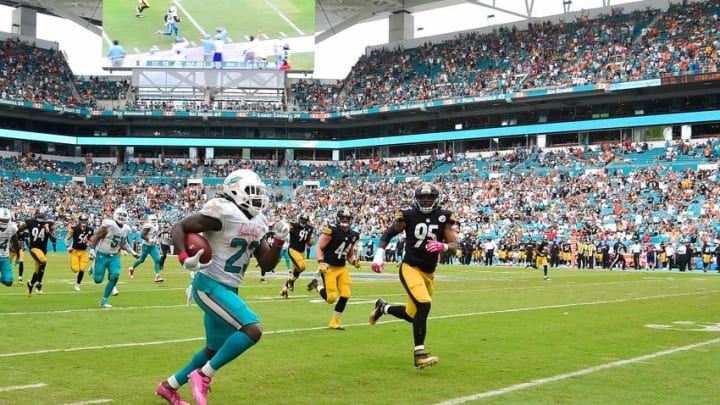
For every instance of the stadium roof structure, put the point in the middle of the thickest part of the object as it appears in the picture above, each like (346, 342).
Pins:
(332, 16)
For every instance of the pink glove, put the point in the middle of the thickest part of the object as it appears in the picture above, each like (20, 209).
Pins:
(378, 267)
(434, 246)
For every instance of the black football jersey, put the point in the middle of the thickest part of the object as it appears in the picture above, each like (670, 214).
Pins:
(421, 228)
(300, 235)
(335, 253)
(80, 237)
(39, 233)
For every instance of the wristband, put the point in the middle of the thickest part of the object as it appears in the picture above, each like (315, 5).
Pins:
(277, 242)
(445, 247)
(182, 256)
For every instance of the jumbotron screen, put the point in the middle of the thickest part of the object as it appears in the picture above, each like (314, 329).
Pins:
(233, 34)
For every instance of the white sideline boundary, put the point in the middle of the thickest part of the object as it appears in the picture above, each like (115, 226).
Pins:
(585, 371)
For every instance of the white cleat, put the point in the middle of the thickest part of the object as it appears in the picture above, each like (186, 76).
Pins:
(115, 291)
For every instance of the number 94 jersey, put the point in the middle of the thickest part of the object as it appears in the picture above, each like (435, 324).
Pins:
(420, 228)
(234, 244)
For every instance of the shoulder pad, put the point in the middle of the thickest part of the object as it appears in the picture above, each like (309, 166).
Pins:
(218, 208)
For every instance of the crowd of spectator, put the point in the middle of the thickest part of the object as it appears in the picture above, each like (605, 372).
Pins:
(510, 197)
(31, 163)
(608, 48)
(611, 48)
(34, 74)
(97, 88)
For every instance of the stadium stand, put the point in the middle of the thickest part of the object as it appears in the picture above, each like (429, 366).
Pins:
(665, 190)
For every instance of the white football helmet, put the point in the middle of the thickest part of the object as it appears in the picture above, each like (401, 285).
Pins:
(120, 215)
(173, 9)
(246, 190)
(153, 220)
(5, 218)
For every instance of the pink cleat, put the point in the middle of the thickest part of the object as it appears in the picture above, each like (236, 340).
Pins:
(199, 385)
(169, 395)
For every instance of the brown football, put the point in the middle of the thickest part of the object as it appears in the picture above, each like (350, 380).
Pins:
(194, 242)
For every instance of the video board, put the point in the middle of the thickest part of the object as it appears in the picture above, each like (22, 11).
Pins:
(236, 34)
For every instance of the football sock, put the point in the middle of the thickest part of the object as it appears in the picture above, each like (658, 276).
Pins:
(109, 287)
(234, 346)
(198, 360)
(208, 370)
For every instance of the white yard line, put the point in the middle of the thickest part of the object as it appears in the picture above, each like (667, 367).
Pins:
(107, 38)
(299, 330)
(189, 17)
(22, 387)
(284, 17)
(585, 371)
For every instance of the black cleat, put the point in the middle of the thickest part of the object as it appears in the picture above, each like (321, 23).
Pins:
(312, 285)
(423, 360)
(377, 312)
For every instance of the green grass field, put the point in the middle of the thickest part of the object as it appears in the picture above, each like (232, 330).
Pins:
(502, 335)
(293, 18)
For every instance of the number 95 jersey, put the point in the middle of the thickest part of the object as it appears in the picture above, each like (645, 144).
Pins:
(234, 244)
(420, 228)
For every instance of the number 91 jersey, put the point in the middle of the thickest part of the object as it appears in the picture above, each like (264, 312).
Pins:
(234, 244)
(420, 228)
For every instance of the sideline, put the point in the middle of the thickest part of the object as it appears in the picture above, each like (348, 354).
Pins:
(585, 371)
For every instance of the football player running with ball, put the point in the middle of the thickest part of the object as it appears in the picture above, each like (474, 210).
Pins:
(234, 225)
(429, 231)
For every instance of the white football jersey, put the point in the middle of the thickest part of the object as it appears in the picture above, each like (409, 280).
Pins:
(115, 239)
(5, 238)
(152, 235)
(232, 246)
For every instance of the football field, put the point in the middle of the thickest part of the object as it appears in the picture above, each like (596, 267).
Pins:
(503, 335)
(267, 20)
